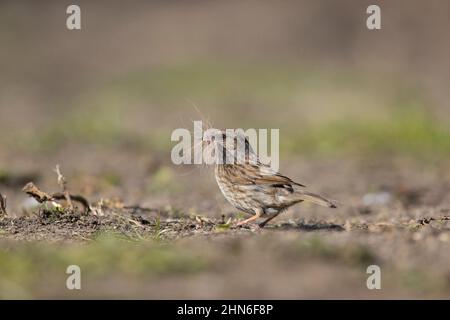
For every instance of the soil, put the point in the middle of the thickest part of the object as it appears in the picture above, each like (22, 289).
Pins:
(394, 214)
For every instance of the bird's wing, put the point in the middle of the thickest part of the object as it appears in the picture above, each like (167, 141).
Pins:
(270, 176)
(247, 174)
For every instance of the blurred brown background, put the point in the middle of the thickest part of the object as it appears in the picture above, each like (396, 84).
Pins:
(134, 72)
(46, 67)
(360, 112)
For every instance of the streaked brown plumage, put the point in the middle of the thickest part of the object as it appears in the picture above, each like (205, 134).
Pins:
(253, 187)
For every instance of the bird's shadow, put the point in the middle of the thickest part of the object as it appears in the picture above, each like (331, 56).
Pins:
(307, 226)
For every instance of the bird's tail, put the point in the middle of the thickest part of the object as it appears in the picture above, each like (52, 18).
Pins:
(315, 198)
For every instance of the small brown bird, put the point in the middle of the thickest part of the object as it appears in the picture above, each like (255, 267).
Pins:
(248, 184)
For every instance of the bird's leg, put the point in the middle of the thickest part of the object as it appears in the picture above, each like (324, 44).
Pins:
(256, 216)
(262, 224)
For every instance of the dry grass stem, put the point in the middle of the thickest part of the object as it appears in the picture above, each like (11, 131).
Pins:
(3, 205)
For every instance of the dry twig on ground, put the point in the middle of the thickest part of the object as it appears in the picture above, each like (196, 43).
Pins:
(38, 195)
(2, 205)
(42, 197)
(63, 184)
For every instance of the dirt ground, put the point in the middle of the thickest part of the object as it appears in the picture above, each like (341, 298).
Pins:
(387, 216)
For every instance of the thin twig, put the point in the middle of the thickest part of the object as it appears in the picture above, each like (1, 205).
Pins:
(63, 184)
(3, 205)
(80, 199)
(42, 197)
(34, 192)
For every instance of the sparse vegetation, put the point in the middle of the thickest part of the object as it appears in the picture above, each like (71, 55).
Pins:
(363, 119)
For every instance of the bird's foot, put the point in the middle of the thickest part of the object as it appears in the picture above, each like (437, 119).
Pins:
(251, 219)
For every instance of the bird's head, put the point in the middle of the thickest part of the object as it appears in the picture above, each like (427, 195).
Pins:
(227, 146)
